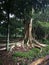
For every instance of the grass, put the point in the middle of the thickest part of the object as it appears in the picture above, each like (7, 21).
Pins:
(28, 54)
(33, 53)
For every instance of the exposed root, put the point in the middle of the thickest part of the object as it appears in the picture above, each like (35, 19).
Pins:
(23, 45)
(29, 45)
(12, 47)
(36, 44)
(2, 49)
(39, 44)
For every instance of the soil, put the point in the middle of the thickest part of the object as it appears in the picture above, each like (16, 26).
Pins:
(7, 59)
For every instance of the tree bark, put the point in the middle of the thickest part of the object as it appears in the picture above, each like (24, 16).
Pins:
(7, 38)
(8, 31)
(26, 34)
(28, 39)
(26, 31)
(30, 32)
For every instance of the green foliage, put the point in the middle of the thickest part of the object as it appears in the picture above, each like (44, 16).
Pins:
(29, 54)
(44, 24)
(40, 29)
(45, 51)
(45, 41)
(33, 53)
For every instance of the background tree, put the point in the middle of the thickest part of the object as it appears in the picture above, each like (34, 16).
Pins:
(5, 12)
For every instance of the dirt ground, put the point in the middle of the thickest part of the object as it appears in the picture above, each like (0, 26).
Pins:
(6, 58)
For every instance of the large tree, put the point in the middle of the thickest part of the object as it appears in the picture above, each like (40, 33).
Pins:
(23, 9)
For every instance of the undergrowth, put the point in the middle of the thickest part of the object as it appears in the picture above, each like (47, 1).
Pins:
(33, 53)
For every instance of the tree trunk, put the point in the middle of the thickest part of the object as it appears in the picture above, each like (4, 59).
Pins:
(8, 38)
(26, 28)
(28, 35)
(30, 32)
(8, 30)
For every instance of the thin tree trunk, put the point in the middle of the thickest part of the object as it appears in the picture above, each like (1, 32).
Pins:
(8, 38)
(30, 30)
(8, 26)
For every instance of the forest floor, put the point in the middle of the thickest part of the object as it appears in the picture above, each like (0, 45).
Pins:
(6, 58)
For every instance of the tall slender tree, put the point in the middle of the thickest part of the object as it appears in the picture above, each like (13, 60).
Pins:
(5, 8)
